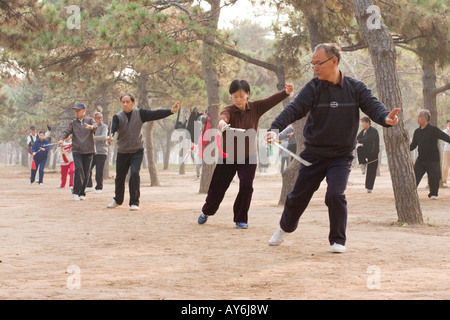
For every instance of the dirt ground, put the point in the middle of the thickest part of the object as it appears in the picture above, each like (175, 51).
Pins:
(55, 248)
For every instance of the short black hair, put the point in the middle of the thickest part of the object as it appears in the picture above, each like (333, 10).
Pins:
(237, 85)
(366, 119)
(127, 94)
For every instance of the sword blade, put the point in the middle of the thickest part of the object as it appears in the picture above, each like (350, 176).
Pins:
(296, 157)
(227, 127)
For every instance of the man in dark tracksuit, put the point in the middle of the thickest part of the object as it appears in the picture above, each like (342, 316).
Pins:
(333, 102)
(368, 151)
(128, 124)
(426, 138)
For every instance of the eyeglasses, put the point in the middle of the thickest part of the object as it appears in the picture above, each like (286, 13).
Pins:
(318, 64)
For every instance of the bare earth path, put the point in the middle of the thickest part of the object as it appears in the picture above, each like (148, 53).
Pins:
(55, 248)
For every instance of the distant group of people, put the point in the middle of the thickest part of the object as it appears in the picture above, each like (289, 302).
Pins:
(75, 144)
(425, 138)
(331, 102)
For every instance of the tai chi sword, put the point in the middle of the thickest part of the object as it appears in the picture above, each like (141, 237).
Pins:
(227, 127)
(296, 157)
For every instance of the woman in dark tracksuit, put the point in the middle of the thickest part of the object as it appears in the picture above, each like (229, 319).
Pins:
(240, 159)
(40, 152)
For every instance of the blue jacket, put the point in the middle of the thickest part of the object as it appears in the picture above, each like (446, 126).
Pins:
(38, 144)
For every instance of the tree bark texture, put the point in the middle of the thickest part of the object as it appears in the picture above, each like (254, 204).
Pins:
(212, 88)
(429, 88)
(382, 52)
(143, 104)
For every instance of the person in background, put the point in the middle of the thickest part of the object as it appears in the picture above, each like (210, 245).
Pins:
(83, 130)
(130, 144)
(446, 155)
(284, 155)
(288, 133)
(368, 150)
(66, 162)
(426, 139)
(101, 154)
(40, 151)
(33, 136)
(31, 139)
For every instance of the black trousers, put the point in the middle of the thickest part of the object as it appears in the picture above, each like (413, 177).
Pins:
(82, 164)
(128, 162)
(336, 171)
(222, 177)
(371, 170)
(433, 170)
(99, 164)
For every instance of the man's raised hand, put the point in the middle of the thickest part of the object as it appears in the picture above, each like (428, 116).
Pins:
(176, 107)
(392, 118)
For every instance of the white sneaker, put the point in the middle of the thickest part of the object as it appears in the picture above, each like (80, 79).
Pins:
(134, 207)
(338, 248)
(76, 197)
(98, 191)
(82, 197)
(112, 205)
(433, 197)
(278, 237)
(89, 189)
(369, 190)
(41, 184)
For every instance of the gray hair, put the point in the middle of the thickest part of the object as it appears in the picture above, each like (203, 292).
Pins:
(98, 114)
(426, 113)
(331, 50)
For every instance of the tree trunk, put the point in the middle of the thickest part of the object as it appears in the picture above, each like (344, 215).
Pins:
(154, 181)
(429, 87)
(167, 151)
(104, 103)
(289, 176)
(382, 52)
(212, 89)
(143, 104)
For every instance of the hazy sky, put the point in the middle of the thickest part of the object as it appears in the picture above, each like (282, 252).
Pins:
(243, 10)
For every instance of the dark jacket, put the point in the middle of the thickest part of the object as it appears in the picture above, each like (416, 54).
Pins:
(82, 138)
(39, 154)
(427, 141)
(334, 113)
(370, 141)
